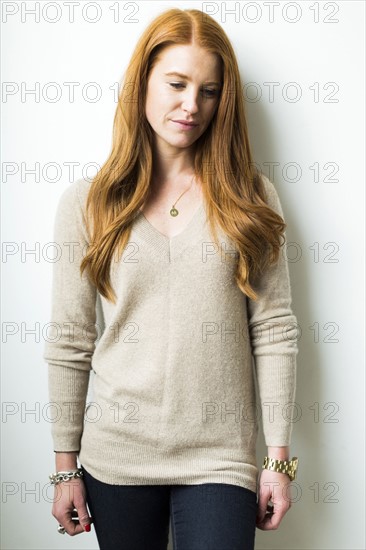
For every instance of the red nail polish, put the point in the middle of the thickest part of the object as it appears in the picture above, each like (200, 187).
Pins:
(87, 527)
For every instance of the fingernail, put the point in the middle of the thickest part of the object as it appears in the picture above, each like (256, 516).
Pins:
(87, 527)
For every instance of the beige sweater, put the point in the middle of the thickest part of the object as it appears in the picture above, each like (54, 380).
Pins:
(173, 365)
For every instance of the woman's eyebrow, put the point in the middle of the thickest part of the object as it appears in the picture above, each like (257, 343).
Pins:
(181, 75)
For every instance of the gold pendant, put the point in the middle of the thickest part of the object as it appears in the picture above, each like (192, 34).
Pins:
(174, 212)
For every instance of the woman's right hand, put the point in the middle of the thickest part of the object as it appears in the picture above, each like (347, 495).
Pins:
(69, 506)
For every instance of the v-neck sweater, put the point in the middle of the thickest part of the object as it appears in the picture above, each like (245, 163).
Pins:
(181, 369)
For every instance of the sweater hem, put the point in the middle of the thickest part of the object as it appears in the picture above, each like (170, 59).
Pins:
(139, 466)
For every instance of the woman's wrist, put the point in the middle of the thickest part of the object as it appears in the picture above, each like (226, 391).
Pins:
(279, 453)
(66, 461)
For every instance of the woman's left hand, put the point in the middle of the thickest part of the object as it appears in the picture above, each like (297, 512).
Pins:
(275, 487)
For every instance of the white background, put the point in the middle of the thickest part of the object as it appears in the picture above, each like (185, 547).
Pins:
(324, 58)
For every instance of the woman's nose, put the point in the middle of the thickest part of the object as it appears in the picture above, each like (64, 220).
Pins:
(190, 102)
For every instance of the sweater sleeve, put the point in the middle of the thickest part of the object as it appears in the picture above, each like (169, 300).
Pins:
(72, 332)
(273, 333)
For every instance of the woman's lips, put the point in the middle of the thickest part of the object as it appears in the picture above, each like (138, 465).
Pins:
(185, 125)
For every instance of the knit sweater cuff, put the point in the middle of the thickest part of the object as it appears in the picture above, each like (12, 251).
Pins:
(276, 375)
(68, 389)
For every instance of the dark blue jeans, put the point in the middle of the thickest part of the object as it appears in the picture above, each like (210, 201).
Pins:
(211, 516)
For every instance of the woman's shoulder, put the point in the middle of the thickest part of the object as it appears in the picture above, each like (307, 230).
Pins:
(74, 195)
(272, 197)
(269, 187)
(70, 218)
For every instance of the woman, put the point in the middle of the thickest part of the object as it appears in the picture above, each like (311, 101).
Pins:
(179, 236)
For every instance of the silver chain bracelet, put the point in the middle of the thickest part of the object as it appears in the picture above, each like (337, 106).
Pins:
(58, 477)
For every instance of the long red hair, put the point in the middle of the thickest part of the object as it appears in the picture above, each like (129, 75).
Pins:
(232, 187)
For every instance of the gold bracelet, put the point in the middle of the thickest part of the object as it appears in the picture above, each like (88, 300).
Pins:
(288, 467)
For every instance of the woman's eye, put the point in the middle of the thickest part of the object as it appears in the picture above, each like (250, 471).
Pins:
(209, 92)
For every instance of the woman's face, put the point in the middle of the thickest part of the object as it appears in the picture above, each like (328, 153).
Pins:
(192, 95)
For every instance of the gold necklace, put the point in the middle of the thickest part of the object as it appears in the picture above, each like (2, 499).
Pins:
(173, 211)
